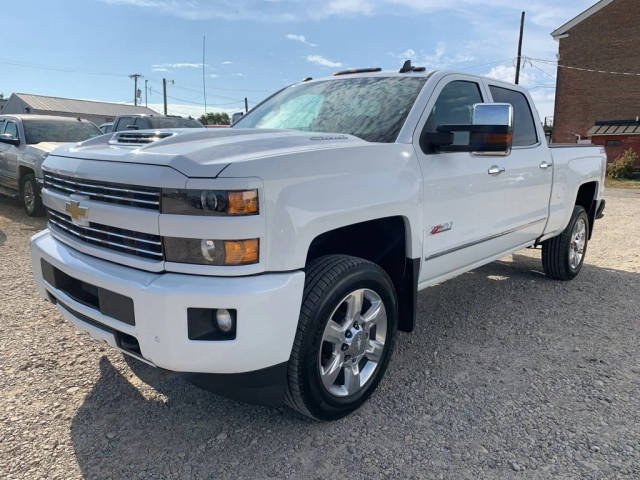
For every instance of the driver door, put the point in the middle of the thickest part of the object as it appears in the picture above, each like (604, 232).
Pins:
(463, 200)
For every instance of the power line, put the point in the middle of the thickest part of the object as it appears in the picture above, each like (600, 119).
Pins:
(582, 69)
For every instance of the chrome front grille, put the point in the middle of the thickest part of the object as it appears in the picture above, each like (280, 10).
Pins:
(118, 239)
(130, 195)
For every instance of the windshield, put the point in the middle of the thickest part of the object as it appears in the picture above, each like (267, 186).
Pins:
(36, 131)
(174, 123)
(372, 108)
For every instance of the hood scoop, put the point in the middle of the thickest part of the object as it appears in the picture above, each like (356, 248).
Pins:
(138, 138)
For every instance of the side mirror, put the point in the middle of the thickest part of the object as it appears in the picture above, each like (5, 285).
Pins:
(491, 133)
(236, 116)
(10, 139)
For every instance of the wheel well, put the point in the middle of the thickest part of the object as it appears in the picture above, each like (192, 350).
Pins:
(22, 171)
(586, 198)
(384, 242)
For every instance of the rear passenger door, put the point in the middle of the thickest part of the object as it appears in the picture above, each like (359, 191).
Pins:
(528, 169)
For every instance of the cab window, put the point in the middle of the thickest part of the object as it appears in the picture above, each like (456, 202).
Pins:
(123, 123)
(524, 127)
(454, 105)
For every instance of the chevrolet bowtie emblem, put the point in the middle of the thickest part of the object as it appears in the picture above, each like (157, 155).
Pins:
(74, 209)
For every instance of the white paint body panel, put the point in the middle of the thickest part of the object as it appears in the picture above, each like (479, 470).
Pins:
(308, 184)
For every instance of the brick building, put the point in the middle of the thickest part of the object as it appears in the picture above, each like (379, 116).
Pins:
(602, 38)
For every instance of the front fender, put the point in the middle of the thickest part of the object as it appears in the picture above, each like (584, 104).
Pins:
(310, 193)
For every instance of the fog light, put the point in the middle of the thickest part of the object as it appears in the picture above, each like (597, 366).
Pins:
(225, 322)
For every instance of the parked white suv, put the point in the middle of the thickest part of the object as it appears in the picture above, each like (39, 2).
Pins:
(279, 258)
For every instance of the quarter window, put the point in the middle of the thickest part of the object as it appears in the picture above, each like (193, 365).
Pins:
(524, 127)
(454, 105)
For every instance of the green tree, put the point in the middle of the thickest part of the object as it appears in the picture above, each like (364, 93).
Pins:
(215, 118)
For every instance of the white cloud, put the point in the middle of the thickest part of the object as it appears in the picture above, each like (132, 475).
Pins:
(227, 62)
(159, 69)
(439, 58)
(214, 75)
(300, 38)
(240, 75)
(545, 13)
(166, 66)
(507, 73)
(325, 62)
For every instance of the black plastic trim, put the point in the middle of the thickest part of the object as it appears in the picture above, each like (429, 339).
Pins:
(260, 387)
(408, 295)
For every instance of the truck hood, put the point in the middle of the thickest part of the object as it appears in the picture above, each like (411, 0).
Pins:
(203, 152)
(46, 147)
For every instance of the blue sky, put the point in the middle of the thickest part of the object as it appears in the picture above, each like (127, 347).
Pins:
(86, 48)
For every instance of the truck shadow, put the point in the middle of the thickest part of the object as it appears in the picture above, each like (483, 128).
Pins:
(481, 340)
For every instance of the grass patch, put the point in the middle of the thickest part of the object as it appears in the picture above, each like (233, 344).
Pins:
(622, 183)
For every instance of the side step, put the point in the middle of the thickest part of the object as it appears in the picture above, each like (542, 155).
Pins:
(8, 192)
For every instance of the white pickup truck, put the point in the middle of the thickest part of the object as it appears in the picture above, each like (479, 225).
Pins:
(278, 259)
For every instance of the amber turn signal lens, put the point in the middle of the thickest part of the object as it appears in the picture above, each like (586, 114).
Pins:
(241, 252)
(243, 202)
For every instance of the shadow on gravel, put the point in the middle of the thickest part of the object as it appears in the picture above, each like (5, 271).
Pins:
(502, 367)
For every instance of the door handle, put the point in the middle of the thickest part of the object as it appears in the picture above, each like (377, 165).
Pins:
(495, 170)
(546, 164)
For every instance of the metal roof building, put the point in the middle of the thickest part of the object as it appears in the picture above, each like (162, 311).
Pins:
(97, 112)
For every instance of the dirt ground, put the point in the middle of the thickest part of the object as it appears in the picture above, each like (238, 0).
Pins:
(508, 375)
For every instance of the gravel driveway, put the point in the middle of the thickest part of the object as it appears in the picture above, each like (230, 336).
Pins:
(508, 375)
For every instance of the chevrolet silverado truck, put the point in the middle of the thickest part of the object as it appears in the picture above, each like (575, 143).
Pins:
(277, 260)
(25, 141)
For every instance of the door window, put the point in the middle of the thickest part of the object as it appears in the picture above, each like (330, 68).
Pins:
(454, 105)
(524, 127)
(11, 129)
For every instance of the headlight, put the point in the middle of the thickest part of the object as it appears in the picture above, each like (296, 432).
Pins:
(212, 252)
(210, 202)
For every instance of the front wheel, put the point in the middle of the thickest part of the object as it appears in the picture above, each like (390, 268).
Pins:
(30, 196)
(344, 339)
(563, 256)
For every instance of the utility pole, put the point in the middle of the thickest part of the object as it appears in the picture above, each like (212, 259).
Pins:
(204, 83)
(135, 77)
(164, 93)
(146, 101)
(520, 50)
(246, 105)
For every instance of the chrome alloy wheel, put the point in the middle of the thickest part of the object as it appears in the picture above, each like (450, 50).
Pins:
(577, 243)
(29, 196)
(352, 343)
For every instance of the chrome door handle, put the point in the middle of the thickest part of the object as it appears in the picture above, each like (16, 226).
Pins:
(546, 164)
(495, 170)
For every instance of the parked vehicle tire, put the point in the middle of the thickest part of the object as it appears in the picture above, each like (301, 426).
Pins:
(30, 196)
(345, 336)
(563, 256)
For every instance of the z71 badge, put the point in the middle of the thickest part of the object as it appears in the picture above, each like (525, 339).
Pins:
(444, 227)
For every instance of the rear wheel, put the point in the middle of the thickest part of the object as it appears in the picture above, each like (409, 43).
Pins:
(563, 256)
(30, 196)
(345, 337)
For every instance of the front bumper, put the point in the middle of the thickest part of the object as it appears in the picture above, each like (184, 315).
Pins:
(267, 306)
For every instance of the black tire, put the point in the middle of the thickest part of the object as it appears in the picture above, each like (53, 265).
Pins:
(32, 204)
(328, 280)
(556, 250)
